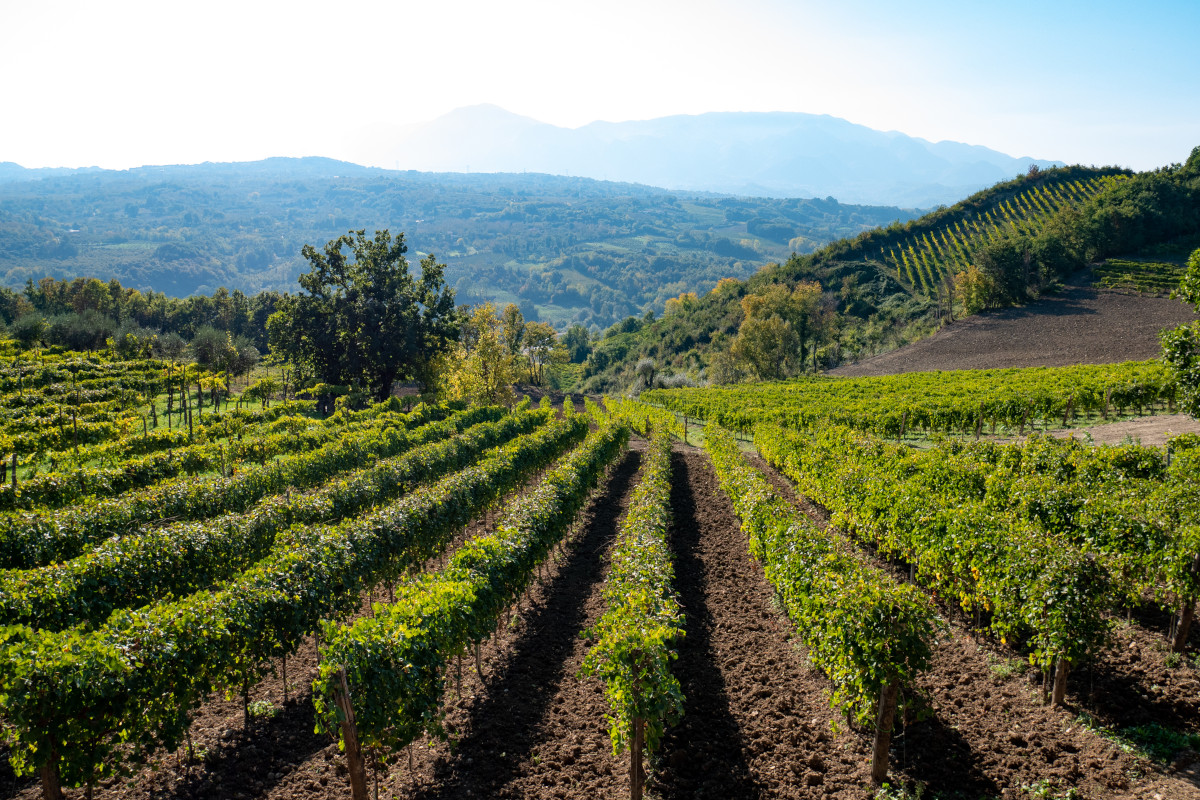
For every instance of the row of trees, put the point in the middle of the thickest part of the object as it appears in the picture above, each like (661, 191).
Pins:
(107, 306)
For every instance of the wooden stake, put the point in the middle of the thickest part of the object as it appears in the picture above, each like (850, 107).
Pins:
(637, 777)
(354, 759)
(1061, 668)
(883, 731)
(1186, 615)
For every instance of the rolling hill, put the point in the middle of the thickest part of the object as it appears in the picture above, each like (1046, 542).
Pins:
(1027, 238)
(564, 249)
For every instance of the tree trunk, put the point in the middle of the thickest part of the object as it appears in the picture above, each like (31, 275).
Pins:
(1061, 668)
(1186, 615)
(354, 759)
(883, 732)
(51, 788)
(637, 777)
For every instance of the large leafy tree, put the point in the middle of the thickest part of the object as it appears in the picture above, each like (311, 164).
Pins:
(363, 320)
(1181, 346)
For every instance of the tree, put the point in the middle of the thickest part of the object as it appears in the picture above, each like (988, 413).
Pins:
(514, 328)
(480, 369)
(646, 370)
(541, 348)
(768, 346)
(1181, 346)
(364, 320)
(170, 346)
(213, 349)
(778, 322)
(577, 342)
(29, 329)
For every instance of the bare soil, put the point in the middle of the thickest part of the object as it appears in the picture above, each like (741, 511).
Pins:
(1080, 325)
(1150, 431)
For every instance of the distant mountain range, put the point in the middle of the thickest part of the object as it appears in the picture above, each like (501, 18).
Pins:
(777, 154)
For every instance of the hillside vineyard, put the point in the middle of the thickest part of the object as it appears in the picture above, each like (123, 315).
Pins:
(397, 577)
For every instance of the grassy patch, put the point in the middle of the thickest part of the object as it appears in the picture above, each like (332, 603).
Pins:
(1153, 742)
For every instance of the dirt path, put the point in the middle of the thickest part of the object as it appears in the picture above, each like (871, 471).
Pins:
(988, 733)
(755, 723)
(1151, 431)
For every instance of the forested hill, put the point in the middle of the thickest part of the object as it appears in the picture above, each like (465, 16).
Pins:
(876, 291)
(564, 249)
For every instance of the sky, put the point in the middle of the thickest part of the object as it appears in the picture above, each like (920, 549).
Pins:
(120, 84)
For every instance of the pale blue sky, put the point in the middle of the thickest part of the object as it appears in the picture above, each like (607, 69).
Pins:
(120, 84)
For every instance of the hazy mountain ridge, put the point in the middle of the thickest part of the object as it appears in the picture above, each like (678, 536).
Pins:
(761, 154)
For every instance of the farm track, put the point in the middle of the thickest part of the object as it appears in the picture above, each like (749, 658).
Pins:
(990, 736)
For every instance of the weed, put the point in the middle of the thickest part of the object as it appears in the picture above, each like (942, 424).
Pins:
(264, 709)
(1046, 790)
(1153, 742)
(1162, 744)
(1007, 669)
(889, 792)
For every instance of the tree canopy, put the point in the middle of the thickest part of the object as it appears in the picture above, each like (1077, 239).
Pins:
(363, 320)
(1181, 346)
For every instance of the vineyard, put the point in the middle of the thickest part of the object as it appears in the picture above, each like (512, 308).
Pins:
(852, 584)
(1150, 277)
(924, 259)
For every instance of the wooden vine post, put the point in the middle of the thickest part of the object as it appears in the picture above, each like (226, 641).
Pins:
(883, 731)
(1061, 668)
(1187, 615)
(637, 777)
(354, 759)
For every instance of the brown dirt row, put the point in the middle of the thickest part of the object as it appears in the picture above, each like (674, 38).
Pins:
(756, 723)
(989, 735)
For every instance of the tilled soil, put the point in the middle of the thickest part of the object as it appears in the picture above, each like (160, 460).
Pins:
(1151, 431)
(756, 722)
(989, 735)
(1080, 325)
(537, 730)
